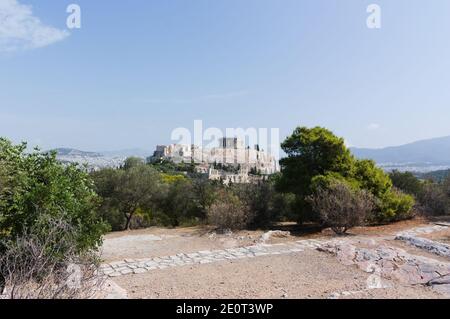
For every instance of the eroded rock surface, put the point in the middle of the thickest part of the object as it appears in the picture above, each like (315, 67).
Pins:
(431, 246)
(392, 263)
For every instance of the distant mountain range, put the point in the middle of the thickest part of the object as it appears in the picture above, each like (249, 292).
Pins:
(427, 155)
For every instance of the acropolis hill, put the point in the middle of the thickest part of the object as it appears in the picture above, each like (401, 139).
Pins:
(231, 152)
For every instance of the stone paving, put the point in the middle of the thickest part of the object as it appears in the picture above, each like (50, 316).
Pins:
(139, 266)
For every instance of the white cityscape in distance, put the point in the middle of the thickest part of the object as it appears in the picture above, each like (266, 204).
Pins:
(93, 161)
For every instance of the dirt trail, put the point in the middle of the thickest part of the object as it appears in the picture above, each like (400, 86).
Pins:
(156, 242)
(309, 274)
(201, 264)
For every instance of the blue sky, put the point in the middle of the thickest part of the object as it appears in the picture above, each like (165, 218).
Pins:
(138, 69)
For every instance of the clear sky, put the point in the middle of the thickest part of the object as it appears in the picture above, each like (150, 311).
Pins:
(138, 69)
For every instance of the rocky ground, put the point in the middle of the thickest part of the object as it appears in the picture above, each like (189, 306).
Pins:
(380, 262)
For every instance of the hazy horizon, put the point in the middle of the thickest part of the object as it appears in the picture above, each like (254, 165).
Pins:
(152, 148)
(133, 73)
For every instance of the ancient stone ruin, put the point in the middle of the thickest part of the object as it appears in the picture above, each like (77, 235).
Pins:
(231, 161)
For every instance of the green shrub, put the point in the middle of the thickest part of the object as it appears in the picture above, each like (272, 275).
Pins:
(47, 213)
(434, 201)
(141, 219)
(394, 206)
(407, 182)
(36, 188)
(433, 196)
(371, 178)
(178, 201)
(161, 219)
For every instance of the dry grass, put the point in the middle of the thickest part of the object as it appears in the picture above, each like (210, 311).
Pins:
(48, 267)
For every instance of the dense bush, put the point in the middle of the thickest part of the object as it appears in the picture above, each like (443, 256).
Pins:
(371, 178)
(205, 193)
(36, 188)
(446, 186)
(132, 162)
(228, 212)
(407, 182)
(169, 167)
(433, 200)
(341, 206)
(435, 176)
(393, 206)
(179, 202)
(267, 205)
(433, 197)
(35, 191)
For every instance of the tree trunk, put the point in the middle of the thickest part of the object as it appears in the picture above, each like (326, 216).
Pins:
(128, 223)
(2, 284)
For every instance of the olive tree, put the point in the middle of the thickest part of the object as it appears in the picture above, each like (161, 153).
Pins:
(126, 191)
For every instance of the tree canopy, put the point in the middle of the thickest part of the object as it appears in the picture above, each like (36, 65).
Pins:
(125, 191)
(318, 158)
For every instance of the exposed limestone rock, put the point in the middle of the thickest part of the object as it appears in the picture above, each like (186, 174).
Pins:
(392, 263)
(273, 233)
(441, 284)
(429, 245)
(111, 290)
(444, 280)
